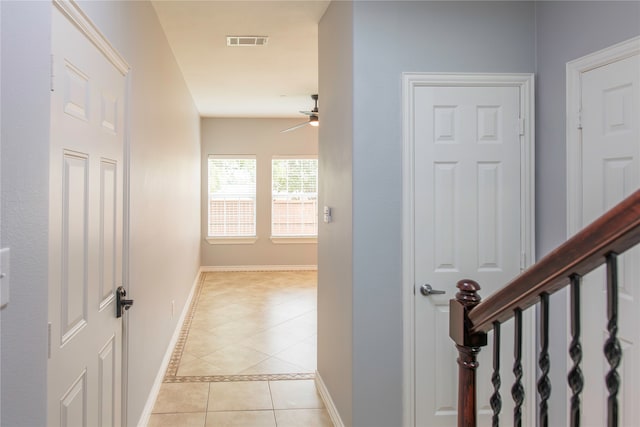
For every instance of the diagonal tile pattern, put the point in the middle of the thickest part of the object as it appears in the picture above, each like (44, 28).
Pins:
(249, 323)
(246, 355)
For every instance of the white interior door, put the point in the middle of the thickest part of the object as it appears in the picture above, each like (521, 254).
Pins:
(85, 231)
(468, 214)
(610, 172)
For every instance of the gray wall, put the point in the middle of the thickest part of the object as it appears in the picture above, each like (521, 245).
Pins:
(335, 253)
(389, 38)
(0, 204)
(165, 196)
(26, 49)
(565, 31)
(262, 138)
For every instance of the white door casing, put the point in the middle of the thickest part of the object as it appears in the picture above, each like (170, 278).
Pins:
(86, 223)
(468, 213)
(603, 144)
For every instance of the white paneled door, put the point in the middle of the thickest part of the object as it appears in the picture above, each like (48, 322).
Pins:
(610, 172)
(85, 228)
(467, 225)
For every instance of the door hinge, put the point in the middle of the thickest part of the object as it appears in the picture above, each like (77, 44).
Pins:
(52, 75)
(414, 288)
(523, 261)
(521, 126)
(49, 340)
(579, 119)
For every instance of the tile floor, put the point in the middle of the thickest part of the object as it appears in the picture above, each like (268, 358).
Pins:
(248, 323)
(245, 326)
(292, 403)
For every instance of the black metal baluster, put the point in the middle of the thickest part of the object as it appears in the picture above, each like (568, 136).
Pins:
(544, 385)
(496, 400)
(575, 378)
(612, 350)
(517, 391)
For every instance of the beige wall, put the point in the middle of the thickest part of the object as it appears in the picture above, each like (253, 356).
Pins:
(262, 138)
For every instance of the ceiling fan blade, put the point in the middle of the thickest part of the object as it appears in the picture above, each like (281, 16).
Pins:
(295, 127)
(310, 113)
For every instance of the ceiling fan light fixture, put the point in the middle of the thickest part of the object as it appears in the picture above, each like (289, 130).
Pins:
(314, 116)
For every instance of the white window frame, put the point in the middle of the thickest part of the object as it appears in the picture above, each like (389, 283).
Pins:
(292, 239)
(226, 240)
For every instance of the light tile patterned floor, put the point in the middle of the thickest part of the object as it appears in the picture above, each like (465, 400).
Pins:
(242, 327)
(291, 403)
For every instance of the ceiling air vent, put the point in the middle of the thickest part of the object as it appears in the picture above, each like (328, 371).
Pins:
(247, 40)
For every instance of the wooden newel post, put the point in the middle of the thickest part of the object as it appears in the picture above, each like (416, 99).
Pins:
(468, 346)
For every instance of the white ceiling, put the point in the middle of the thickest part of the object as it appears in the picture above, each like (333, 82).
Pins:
(275, 80)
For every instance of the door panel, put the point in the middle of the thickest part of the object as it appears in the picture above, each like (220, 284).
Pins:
(85, 231)
(610, 165)
(107, 383)
(467, 196)
(74, 244)
(74, 403)
(108, 231)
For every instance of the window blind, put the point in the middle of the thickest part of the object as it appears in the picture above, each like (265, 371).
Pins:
(294, 190)
(232, 196)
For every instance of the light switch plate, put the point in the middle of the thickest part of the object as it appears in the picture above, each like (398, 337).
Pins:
(327, 214)
(4, 277)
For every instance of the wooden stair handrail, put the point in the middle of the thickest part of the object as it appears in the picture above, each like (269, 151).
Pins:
(615, 231)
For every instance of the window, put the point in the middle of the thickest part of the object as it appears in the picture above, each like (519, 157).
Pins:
(294, 201)
(232, 196)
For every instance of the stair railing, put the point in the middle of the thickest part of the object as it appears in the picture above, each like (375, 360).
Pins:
(470, 318)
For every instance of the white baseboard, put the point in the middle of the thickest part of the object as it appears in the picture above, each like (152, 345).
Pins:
(214, 268)
(153, 394)
(328, 402)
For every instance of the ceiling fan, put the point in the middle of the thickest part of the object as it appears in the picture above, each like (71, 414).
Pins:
(313, 116)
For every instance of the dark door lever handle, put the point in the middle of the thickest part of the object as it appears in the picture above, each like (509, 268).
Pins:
(121, 302)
